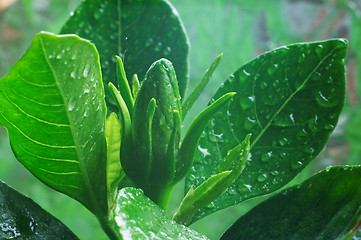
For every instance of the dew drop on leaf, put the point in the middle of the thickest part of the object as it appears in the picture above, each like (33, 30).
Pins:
(266, 157)
(249, 123)
(246, 102)
(262, 177)
(71, 104)
(272, 69)
(283, 141)
(302, 58)
(323, 101)
(296, 165)
(204, 151)
(319, 50)
(231, 191)
(72, 75)
(86, 70)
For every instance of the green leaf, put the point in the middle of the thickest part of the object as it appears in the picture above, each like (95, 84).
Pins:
(113, 133)
(135, 86)
(212, 188)
(137, 217)
(22, 218)
(198, 198)
(140, 32)
(188, 103)
(123, 84)
(289, 99)
(191, 138)
(326, 206)
(52, 103)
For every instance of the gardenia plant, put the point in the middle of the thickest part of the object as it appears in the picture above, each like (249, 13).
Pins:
(96, 113)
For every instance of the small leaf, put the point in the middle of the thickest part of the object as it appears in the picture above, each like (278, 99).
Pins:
(135, 86)
(326, 206)
(198, 198)
(123, 85)
(191, 138)
(52, 103)
(188, 103)
(274, 95)
(140, 32)
(137, 217)
(22, 218)
(113, 133)
(212, 188)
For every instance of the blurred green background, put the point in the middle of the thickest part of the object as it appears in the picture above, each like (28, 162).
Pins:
(240, 29)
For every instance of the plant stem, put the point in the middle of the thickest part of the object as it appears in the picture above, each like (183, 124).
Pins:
(109, 227)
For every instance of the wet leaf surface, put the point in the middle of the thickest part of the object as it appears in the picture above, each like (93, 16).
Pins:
(326, 206)
(52, 103)
(22, 218)
(289, 99)
(140, 32)
(137, 217)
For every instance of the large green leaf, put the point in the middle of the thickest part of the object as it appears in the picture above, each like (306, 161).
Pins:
(137, 217)
(289, 99)
(140, 31)
(326, 206)
(52, 103)
(22, 218)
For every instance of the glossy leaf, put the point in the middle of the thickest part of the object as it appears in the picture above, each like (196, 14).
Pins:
(289, 99)
(22, 218)
(326, 206)
(113, 132)
(52, 103)
(140, 32)
(137, 217)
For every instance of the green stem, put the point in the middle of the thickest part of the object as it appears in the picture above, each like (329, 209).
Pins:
(110, 228)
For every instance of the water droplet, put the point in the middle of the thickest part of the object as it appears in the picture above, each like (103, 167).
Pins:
(319, 50)
(323, 100)
(313, 124)
(72, 75)
(246, 73)
(272, 69)
(274, 173)
(283, 141)
(329, 127)
(302, 58)
(309, 150)
(204, 151)
(231, 191)
(292, 118)
(86, 70)
(262, 177)
(98, 13)
(246, 102)
(296, 165)
(215, 137)
(265, 157)
(249, 123)
(248, 187)
(71, 104)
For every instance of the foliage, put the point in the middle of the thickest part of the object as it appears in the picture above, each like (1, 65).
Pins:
(54, 106)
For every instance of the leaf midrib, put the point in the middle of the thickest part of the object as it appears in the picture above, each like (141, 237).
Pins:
(290, 97)
(82, 167)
